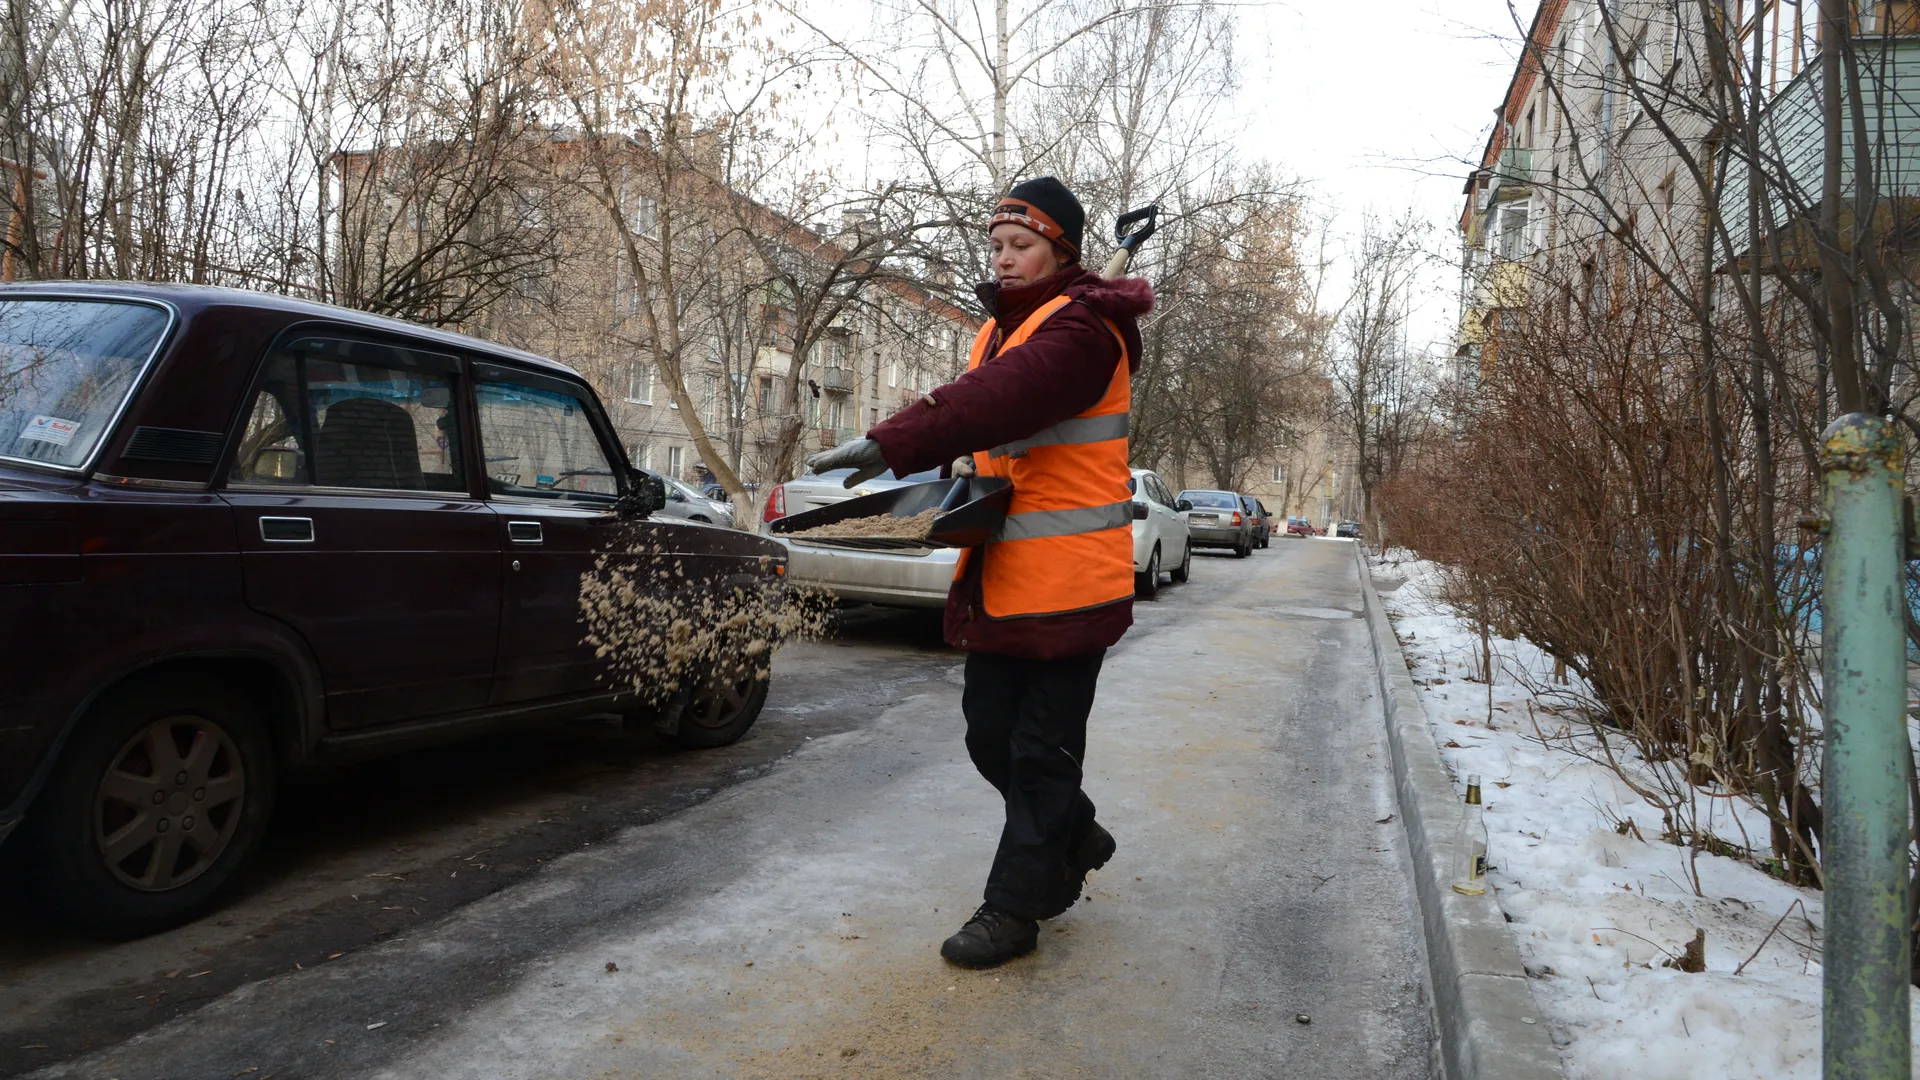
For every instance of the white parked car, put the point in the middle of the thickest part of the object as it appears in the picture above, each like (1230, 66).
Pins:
(1160, 541)
(911, 577)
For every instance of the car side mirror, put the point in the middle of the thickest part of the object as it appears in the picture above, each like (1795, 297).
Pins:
(1183, 505)
(1139, 511)
(645, 495)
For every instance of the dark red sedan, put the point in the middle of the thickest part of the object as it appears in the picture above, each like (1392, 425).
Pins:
(242, 534)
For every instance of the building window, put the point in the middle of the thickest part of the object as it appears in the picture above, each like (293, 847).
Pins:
(766, 395)
(640, 383)
(779, 325)
(893, 373)
(837, 413)
(1279, 473)
(673, 461)
(710, 399)
(643, 455)
(641, 211)
(1513, 233)
(739, 398)
(873, 419)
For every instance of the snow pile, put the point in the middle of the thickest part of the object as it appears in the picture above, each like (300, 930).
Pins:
(1602, 907)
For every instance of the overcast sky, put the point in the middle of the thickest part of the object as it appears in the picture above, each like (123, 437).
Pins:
(1378, 104)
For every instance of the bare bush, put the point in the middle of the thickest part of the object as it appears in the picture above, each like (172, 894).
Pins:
(1576, 506)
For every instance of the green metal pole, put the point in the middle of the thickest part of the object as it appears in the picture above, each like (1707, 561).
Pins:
(1866, 964)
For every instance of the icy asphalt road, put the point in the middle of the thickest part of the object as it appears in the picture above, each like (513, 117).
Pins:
(786, 924)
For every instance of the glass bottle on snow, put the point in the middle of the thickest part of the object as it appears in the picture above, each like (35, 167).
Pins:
(1470, 844)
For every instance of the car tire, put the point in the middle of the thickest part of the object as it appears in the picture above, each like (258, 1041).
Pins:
(1185, 570)
(719, 714)
(1147, 585)
(1243, 549)
(108, 792)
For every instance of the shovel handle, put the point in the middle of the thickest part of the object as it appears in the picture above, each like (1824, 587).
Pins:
(956, 495)
(1126, 241)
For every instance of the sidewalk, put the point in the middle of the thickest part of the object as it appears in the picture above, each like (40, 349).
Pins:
(789, 926)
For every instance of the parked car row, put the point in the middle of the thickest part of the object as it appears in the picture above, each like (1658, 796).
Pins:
(243, 534)
(1166, 530)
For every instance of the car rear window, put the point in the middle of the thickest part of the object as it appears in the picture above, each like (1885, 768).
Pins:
(67, 368)
(1219, 500)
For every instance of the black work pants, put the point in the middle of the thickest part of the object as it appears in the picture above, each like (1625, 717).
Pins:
(1027, 734)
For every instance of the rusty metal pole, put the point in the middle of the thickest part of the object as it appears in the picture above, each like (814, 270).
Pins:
(1866, 966)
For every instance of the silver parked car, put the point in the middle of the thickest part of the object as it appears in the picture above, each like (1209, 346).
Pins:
(910, 577)
(689, 505)
(1218, 520)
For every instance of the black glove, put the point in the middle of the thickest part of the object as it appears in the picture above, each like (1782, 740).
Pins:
(861, 455)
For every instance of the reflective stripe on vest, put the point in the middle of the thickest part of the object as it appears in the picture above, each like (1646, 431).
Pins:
(1067, 542)
(1080, 429)
(1035, 524)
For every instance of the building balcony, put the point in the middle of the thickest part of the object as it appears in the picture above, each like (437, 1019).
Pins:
(1506, 284)
(838, 379)
(826, 438)
(1512, 176)
(1792, 150)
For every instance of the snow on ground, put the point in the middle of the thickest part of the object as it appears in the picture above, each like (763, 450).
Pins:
(1597, 904)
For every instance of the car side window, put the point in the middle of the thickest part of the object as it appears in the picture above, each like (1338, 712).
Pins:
(334, 412)
(1160, 491)
(539, 443)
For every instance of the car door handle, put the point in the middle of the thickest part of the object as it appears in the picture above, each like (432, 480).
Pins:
(286, 530)
(524, 532)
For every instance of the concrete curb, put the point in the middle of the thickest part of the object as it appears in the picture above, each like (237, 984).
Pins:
(1484, 1013)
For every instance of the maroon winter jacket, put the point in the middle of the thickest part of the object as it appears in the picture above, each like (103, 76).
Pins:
(1058, 373)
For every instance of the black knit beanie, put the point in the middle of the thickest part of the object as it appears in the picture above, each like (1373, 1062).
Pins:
(1046, 206)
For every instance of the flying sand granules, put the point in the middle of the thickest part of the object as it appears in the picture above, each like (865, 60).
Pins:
(659, 627)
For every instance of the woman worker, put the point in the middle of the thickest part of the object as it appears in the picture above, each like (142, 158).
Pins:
(1044, 403)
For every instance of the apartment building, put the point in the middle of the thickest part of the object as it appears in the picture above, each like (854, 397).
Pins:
(1607, 150)
(708, 297)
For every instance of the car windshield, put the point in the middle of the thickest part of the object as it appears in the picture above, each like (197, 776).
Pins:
(66, 368)
(911, 478)
(684, 489)
(1217, 500)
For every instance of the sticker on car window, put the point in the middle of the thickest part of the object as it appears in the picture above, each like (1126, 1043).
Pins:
(51, 429)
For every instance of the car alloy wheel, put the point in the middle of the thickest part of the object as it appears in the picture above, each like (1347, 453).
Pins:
(721, 711)
(167, 807)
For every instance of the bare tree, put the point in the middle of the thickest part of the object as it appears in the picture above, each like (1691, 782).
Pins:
(1382, 395)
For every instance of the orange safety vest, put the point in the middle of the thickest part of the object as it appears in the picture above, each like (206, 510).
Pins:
(1067, 543)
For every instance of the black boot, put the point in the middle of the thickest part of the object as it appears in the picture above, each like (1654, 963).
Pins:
(1094, 851)
(991, 937)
